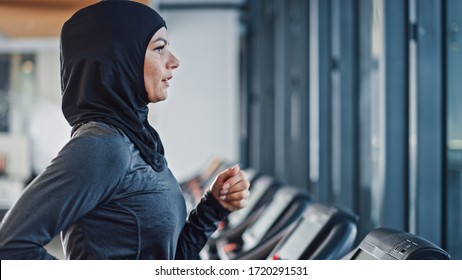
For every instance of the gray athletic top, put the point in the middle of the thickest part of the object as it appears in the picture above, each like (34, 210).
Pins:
(107, 203)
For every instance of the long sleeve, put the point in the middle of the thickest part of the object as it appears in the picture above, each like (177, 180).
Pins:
(202, 223)
(83, 175)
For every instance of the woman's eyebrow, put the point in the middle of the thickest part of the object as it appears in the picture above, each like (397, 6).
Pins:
(160, 39)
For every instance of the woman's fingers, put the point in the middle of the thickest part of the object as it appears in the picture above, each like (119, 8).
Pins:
(236, 196)
(234, 184)
(235, 192)
(231, 188)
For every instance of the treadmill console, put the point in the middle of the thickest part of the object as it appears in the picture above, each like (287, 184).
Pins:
(390, 244)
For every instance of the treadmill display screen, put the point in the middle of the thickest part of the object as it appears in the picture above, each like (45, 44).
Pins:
(363, 255)
(299, 239)
(255, 232)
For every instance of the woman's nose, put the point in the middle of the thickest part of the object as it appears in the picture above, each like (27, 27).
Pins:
(174, 62)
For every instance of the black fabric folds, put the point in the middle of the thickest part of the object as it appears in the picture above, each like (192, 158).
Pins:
(103, 48)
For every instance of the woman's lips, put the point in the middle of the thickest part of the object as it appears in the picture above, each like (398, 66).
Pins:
(166, 80)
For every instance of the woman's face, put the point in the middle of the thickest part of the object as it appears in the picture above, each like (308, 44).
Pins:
(159, 64)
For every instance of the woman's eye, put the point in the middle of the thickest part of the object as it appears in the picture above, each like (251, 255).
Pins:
(159, 49)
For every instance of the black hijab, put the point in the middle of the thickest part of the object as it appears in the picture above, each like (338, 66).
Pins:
(103, 48)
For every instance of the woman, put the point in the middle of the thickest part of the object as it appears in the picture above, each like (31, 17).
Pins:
(109, 192)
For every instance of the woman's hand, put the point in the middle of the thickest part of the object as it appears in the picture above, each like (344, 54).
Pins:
(231, 188)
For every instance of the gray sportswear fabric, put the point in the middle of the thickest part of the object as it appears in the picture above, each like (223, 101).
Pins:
(108, 203)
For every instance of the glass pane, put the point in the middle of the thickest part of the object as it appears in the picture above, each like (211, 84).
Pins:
(17, 82)
(454, 129)
(372, 110)
(4, 85)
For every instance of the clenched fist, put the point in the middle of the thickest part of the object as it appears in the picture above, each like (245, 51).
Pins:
(231, 188)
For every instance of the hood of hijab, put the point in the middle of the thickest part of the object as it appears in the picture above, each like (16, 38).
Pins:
(103, 48)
